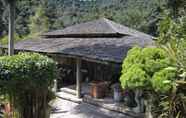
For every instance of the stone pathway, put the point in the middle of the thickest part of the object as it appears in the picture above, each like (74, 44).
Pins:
(66, 109)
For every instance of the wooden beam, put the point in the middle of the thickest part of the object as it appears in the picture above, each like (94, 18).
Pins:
(106, 62)
(78, 78)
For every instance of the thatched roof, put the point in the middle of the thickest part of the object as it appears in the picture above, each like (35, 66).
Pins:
(75, 42)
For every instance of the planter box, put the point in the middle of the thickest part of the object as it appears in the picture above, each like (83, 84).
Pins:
(98, 89)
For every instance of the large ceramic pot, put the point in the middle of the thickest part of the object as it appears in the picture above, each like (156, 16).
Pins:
(148, 108)
(129, 100)
(118, 95)
(140, 108)
(98, 89)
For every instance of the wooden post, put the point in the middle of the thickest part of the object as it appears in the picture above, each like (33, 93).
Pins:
(78, 78)
(11, 27)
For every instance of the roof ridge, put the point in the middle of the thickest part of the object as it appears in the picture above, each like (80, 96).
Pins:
(130, 32)
(111, 25)
(102, 27)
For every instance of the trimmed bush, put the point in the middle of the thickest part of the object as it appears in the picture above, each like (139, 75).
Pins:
(155, 59)
(135, 77)
(142, 65)
(27, 79)
(133, 57)
(163, 80)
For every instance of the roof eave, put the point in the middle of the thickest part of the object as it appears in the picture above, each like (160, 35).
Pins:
(92, 35)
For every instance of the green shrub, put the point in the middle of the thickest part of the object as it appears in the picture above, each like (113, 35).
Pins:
(133, 57)
(27, 78)
(172, 39)
(4, 39)
(163, 80)
(142, 65)
(135, 77)
(155, 59)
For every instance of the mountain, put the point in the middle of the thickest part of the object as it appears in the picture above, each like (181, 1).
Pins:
(138, 14)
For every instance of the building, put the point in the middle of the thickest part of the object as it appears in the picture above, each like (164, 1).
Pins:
(93, 49)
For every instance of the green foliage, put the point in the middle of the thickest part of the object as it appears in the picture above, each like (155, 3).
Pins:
(133, 57)
(25, 66)
(4, 39)
(176, 8)
(2, 25)
(135, 77)
(39, 22)
(155, 59)
(27, 79)
(164, 80)
(142, 65)
(172, 39)
(139, 14)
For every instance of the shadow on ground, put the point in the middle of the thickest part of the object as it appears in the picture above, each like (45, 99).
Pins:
(67, 109)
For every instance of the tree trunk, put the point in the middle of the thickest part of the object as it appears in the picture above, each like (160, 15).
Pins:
(11, 28)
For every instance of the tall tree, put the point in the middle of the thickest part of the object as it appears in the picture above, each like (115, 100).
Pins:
(1, 19)
(39, 23)
(176, 8)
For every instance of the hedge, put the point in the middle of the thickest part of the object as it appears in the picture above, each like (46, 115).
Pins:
(27, 79)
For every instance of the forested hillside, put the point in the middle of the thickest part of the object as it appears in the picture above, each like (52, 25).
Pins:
(36, 16)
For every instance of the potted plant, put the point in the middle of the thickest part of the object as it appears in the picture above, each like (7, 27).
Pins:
(141, 70)
(118, 94)
(136, 79)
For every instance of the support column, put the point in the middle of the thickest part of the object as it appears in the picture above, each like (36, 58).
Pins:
(11, 27)
(78, 78)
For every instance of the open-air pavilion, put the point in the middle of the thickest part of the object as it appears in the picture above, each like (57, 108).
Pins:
(100, 41)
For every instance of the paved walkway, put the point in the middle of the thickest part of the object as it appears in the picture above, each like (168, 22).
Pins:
(67, 109)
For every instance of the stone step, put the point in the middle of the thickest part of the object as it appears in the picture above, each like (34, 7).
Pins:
(69, 97)
(68, 90)
(109, 104)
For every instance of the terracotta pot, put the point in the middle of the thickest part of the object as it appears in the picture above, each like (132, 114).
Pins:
(8, 110)
(98, 89)
(139, 101)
